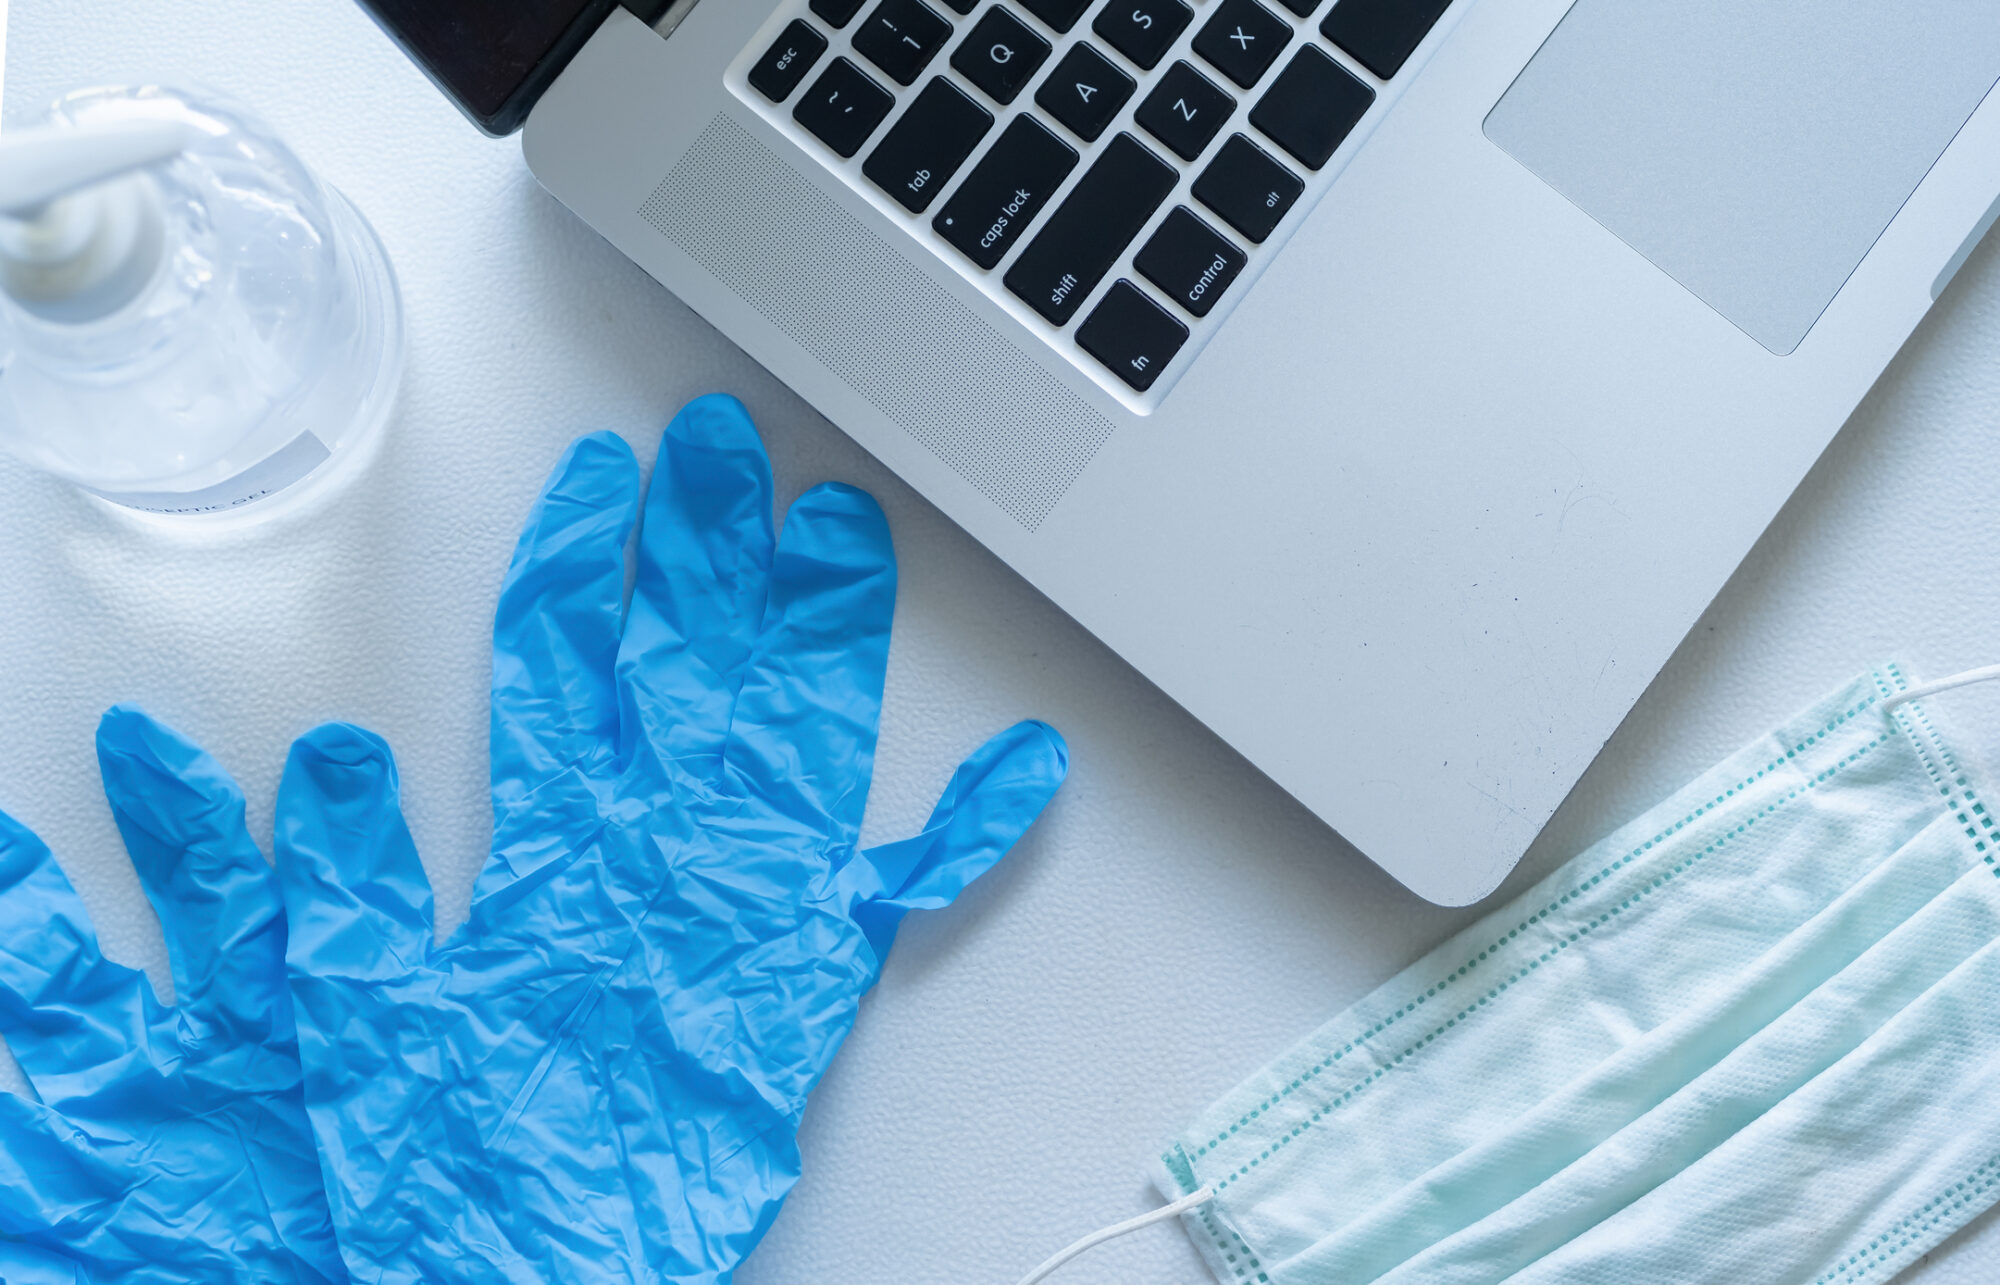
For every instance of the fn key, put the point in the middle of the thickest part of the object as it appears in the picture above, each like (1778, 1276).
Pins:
(1132, 335)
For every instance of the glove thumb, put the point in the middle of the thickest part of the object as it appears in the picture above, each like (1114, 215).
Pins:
(991, 801)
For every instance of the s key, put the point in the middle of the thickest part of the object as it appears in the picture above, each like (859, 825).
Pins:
(1143, 30)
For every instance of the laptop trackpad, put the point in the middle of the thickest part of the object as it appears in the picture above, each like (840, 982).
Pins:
(1752, 149)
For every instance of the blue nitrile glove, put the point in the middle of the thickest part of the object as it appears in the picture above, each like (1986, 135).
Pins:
(170, 1144)
(599, 1077)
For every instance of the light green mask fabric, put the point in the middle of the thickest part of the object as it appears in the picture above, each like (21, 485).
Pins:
(1754, 1036)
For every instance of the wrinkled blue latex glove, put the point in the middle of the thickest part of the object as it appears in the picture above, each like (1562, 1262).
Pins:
(170, 1144)
(599, 1077)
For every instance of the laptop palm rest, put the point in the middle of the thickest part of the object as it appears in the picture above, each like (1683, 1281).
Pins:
(1754, 150)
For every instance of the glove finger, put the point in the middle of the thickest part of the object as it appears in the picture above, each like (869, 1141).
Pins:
(356, 897)
(218, 901)
(72, 1018)
(555, 634)
(54, 1193)
(704, 560)
(803, 738)
(991, 801)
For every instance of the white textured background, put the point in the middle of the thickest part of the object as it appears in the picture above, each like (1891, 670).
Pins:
(1174, 922)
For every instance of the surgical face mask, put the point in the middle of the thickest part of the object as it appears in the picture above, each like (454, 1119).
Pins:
(1752, 1036)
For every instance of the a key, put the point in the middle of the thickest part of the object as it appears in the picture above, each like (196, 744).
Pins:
(843, 107)
(1251, 192)
(1190, 261)
(901, 37)
(1060, 14)
(1005, 191)
(961, 6)
(1085, 92)
(780, 70)
(1382, 34)
(1143, 30)
(1185, 110)
(919, 155)
(1001, 55)
(1243, 39)
(1133, 336)
(1311, 106)
(838, 13)
(1090, 229)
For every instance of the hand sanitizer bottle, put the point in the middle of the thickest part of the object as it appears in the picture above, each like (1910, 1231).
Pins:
(191, 325)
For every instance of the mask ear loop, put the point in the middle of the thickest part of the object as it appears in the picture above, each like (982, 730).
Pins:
(1982, 675)
(1097, 1238)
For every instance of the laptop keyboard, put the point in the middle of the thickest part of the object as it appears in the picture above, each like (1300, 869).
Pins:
(1115, 167)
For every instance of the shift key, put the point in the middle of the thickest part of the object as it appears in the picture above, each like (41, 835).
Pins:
(1084, 237)
(1005, 191)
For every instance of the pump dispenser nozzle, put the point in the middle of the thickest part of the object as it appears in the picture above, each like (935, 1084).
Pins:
(81, 230)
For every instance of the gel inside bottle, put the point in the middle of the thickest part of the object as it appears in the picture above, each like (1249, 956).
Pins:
(192, 326)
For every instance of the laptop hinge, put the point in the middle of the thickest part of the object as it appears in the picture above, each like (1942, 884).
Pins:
(661, 15)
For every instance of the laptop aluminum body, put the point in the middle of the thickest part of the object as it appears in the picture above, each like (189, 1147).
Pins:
(1480, 428)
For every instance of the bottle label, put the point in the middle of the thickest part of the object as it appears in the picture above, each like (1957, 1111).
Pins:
(278, 470)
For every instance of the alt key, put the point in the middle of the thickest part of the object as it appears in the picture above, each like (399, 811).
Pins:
(1133, 336)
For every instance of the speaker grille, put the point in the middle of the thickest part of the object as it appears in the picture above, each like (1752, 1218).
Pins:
(918, 354)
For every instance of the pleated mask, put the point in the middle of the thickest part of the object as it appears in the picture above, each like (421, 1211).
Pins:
(1752, 1036)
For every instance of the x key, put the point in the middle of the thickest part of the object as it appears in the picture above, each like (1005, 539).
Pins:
(1242, 40)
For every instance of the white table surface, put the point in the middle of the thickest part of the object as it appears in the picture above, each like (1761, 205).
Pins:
(1175, 920)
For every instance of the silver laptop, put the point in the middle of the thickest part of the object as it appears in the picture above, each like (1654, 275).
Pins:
(1393, 382)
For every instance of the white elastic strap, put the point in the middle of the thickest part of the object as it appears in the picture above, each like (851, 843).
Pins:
(1097, 1238)
(1982, 675)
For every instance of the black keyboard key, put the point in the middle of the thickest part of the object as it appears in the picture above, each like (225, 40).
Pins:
(919, 156)
(843, 107)
(1060, 14)
(780, 70)
(1185, 110)
(1252, 192)
(1091, 228)
(1005, 191)
(1312, 106)
(1085, 92)
(901, 37)
(1001, 55)
(961, 6)
(1382, 34)
(837, 12)
(1143, 30)
(1132, 335)
(1190, 261)
(1243, 39)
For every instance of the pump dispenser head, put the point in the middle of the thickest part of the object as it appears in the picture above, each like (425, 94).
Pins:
(81, 225)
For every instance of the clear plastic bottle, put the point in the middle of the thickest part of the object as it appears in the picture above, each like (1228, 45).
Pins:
(205, 334)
